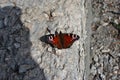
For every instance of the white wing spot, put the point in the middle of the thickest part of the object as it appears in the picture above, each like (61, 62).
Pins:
(51, 38)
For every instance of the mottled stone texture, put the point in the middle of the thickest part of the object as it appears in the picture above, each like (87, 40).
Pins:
(105, 40)
(24, 57)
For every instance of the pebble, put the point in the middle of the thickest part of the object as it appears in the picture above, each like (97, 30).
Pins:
(17, 45)
(24, 68)
(106, 51)
(96, 58)
(1, 24)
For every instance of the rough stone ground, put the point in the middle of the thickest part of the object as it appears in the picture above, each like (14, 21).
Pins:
(105, 40)
(24, 57)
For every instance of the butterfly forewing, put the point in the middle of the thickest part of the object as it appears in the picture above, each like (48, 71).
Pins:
(56, 41)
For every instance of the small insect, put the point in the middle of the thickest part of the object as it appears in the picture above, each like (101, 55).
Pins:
(60, 40)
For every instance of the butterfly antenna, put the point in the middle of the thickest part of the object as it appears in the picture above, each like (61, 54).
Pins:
(56, 32)
(48, 30)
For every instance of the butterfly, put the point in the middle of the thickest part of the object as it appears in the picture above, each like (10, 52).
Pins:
(60, 40)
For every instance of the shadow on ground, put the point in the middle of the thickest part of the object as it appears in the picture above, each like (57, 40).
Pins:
(16, 62)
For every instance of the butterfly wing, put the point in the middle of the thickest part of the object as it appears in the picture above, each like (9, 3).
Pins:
(69, 39)
(61, 40)
(54, 40)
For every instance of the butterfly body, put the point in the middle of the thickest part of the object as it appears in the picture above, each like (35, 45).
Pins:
(61, 40)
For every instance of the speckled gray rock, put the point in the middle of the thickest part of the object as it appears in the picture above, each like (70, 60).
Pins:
(105, 40)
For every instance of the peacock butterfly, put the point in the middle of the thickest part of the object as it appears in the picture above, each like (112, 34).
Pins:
(60, 40)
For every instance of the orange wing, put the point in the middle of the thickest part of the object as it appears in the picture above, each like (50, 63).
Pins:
(62, 40)
(55, 42)
(69, 39)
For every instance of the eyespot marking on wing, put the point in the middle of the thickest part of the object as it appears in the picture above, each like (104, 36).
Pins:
(50, 38)
(74, 36)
